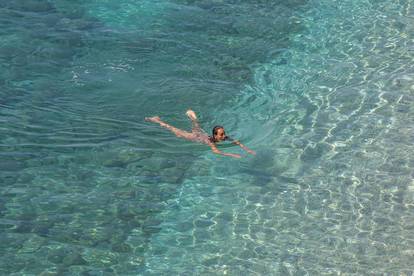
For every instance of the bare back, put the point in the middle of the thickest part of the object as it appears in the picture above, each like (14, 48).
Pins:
(199, 136)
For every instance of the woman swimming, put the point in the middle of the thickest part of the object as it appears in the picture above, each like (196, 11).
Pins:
(197, 134)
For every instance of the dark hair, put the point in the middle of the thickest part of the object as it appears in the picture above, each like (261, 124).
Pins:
(214, 132)
(215, 129)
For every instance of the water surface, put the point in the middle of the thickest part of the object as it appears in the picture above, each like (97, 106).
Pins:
(322, 90)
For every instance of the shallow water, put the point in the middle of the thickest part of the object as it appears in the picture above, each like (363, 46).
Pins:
(322, 90)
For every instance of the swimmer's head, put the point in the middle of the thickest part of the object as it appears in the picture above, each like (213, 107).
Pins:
(219, 134)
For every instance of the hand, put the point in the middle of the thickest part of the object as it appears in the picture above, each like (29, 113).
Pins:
(251, 152)
(234, 155)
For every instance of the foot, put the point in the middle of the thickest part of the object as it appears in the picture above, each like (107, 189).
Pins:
(191, 114)
(154, 119)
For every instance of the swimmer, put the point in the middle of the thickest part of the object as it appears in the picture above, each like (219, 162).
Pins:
(197, 134)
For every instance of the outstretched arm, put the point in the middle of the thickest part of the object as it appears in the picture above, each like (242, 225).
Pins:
(216, 150)
(244, 147)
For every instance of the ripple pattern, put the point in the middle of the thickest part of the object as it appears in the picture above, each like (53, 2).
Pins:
(331, 192)
(322, 90)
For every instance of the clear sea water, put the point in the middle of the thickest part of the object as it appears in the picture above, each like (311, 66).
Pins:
(322, 90)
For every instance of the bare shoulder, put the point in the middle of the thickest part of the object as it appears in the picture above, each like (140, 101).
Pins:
(213, 147)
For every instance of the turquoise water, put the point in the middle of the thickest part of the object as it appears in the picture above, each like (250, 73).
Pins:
(322, 90)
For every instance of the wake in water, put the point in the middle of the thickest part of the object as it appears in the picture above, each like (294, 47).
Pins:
(197, 134)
